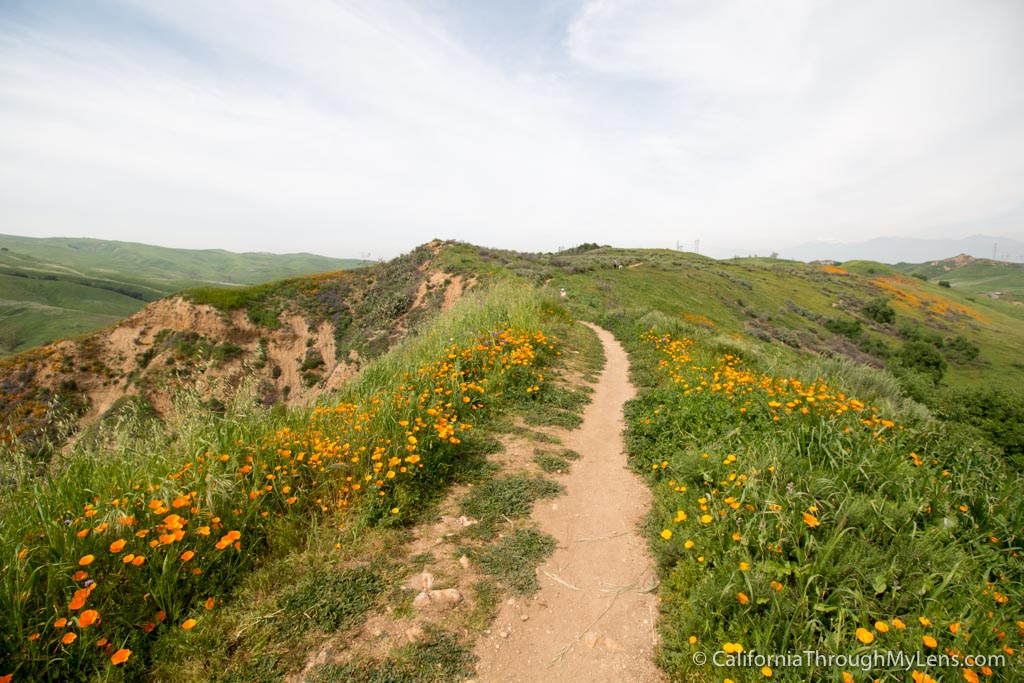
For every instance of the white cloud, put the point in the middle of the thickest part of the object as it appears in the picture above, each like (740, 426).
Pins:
(831, 116)
(370, 126)
(366, 122)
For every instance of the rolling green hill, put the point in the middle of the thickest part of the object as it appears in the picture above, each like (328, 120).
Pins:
(793, 306)
(998, 279)
(59, 287)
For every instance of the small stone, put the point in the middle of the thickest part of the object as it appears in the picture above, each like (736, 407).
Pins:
(466, 521)
(415, 634)
(503, 634)
(590, 638)
(446, 596)
(464, 561)
(426, 581)
(511, 601)
(525, 617)
(421, 600)
(377, 633)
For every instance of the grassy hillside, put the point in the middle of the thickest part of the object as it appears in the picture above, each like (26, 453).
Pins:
(836, 457)
(973, 275)
(222, 496)
(793, 306)
(292, 338)
(60, 287)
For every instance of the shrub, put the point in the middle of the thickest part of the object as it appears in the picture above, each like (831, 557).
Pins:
(997, 414)
(847, 328)
(875, 347)
(961, 349)
(313, 360)
(924, 358)
(945, 283)
(880, 311)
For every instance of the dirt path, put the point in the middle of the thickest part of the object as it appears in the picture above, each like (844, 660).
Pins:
(594, 617)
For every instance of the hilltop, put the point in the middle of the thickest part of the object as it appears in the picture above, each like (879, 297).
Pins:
(62, 287)
(293, 339)
(995, 279)
(910, 249)
(865, 311)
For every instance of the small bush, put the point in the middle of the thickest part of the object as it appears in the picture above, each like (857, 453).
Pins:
(880, 311)
(313, 360)
(875, 347)
(924, 358)
(847, 328)
(999, 415)
(962, 350)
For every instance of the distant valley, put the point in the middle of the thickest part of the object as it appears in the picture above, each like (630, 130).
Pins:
(52, 288)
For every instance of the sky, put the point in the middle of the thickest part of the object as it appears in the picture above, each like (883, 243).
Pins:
(366, 128)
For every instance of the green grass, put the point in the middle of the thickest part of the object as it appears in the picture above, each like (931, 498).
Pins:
(247, 487)
(331, 600)
(53, 288)
(513, 560)
(551, 463)
(501, 499)
(975, 276)
(818, 523)
(787, 532)
(439, 658)
(783, 303)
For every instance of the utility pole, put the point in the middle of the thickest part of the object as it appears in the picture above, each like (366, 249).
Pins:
(696, 246)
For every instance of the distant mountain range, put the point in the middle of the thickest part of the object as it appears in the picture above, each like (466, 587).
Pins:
(909, 249)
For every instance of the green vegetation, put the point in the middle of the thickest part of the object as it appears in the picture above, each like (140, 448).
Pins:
(505, 498)
(225, 498)
(780, 302)
(442, 657)
(364, 307)
(794, 513)
(836, 456)
(880, 311)
(331, 600)
(973, 275)
(551, 463)
(514, 558)
(53, 288)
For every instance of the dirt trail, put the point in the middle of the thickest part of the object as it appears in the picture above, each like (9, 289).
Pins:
(594, 617)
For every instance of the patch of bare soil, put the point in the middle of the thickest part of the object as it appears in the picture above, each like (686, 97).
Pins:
(594, 618)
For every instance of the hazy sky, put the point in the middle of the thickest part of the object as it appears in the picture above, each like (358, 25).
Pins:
(344, 128)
